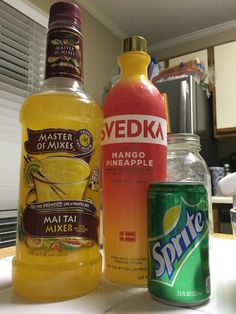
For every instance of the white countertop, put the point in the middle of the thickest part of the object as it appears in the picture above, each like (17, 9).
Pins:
(109, 298)
(222, 200)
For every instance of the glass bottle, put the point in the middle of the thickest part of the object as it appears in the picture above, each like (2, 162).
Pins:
(227, 169)
(184, 163)
(57, 249)
(134, 153)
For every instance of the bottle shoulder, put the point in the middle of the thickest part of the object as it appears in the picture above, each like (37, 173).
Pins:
(64, 90)
(186, 156)
(140, 97)
(133, 85)
(60, 97)
(186, 166)
(58, 103)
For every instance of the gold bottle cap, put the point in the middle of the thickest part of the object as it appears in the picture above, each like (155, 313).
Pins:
(135, 43)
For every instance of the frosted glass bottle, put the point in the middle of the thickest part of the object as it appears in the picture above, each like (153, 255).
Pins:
(184, 163)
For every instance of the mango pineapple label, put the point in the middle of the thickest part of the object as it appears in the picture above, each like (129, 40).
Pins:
(57, 214)
(178, 243)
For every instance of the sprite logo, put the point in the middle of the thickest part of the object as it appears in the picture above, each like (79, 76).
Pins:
(183, 228)
(165, 255)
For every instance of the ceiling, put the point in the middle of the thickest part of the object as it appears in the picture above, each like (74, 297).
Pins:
(164, 21)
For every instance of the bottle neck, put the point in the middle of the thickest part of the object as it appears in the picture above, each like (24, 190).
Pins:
(183, 142)
(133, 65)
(183, 149)
(62, 83)
(64, 57)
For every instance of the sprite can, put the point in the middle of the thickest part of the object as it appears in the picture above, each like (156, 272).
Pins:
(178, 253)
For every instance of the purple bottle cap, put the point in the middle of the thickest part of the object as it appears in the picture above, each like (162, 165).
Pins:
(65, 11)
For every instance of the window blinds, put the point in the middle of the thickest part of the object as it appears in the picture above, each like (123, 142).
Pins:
(22, 53)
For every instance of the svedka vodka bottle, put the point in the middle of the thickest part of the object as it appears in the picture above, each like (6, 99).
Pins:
(134, 145)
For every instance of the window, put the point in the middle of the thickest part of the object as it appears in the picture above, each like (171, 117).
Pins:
(22, 52)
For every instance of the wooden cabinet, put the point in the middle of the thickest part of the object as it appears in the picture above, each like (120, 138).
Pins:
(221, 214)
(220, 67)
(201, 55)
(225, 88)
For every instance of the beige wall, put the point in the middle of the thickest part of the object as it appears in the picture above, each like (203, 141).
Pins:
(101, 49)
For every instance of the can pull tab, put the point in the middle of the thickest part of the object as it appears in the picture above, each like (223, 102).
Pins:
(227, 186)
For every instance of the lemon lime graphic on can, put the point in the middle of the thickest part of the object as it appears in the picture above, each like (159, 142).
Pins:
(171, 219)
(178, 262)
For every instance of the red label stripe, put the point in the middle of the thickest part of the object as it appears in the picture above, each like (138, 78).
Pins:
(127, 236)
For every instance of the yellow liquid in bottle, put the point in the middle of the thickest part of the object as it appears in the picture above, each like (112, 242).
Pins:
(57, 273)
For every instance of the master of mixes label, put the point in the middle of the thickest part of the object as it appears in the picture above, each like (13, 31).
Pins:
(178, 243)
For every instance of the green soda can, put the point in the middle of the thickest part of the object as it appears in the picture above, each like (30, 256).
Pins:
(178, 252)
